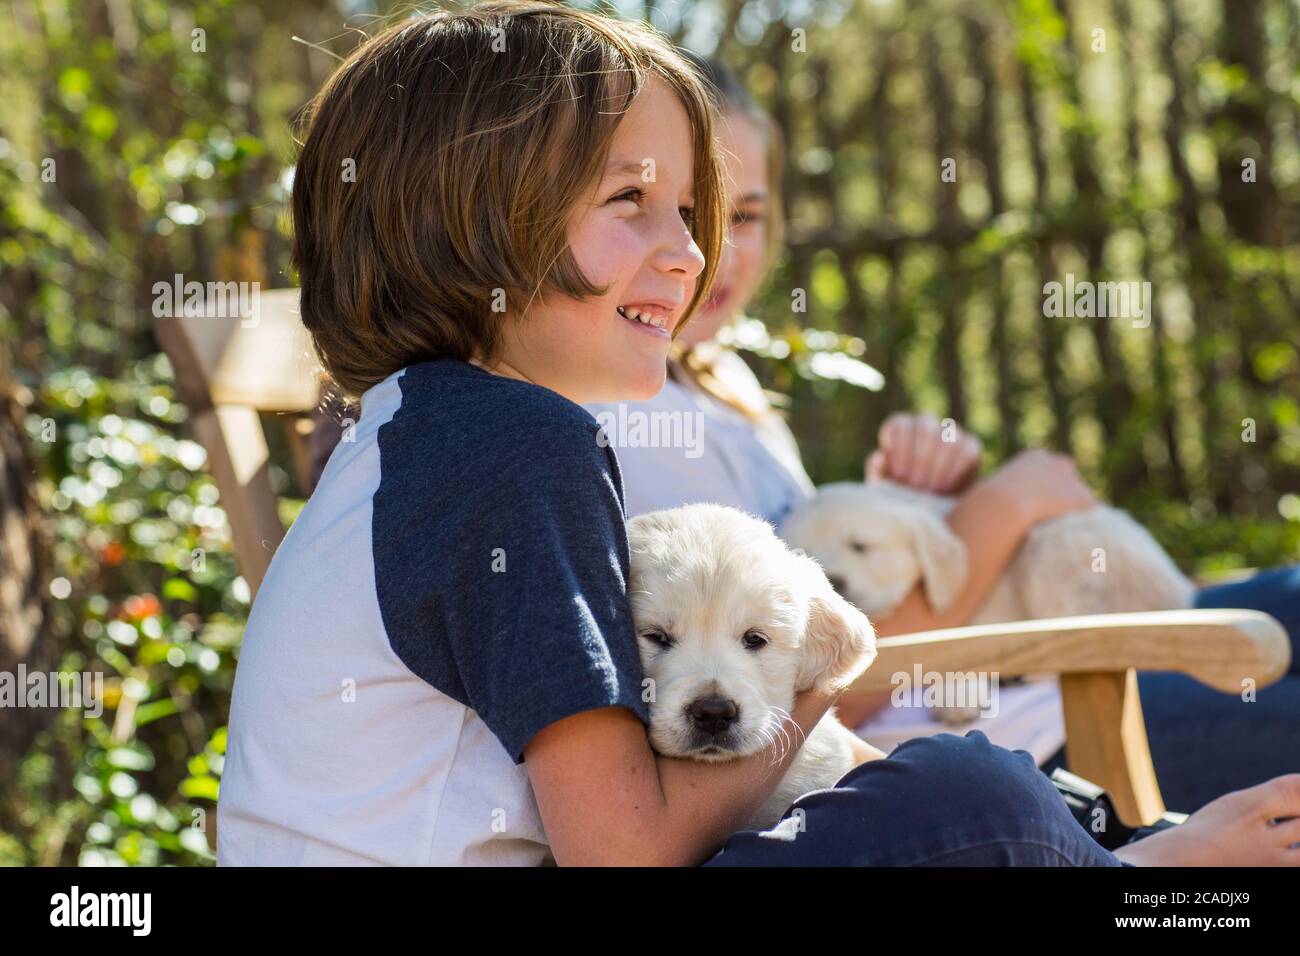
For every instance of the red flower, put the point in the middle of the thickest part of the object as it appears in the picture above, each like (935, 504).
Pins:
(141, 606)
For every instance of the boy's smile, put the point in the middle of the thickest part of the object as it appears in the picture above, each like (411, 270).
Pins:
(652, 316)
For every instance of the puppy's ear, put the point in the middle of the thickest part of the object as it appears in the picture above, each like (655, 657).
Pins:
(942, 557)
(840, 642)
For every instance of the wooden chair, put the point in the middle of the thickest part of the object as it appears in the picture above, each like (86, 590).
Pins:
(228, 374)
(1097, 659)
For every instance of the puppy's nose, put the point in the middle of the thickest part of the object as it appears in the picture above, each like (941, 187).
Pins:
(838, 583)
(713, 714)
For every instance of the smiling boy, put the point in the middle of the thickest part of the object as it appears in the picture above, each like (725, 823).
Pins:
(452, 600)
(440, 666)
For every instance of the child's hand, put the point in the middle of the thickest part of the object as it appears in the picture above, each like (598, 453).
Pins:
(1043, 485)
(915, 450)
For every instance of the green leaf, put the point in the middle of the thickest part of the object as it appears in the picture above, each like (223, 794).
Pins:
(147, 713)
(249, 145)
(200, 788)
(100, 122)
(179, 589)
(130, 758)
(75, 81)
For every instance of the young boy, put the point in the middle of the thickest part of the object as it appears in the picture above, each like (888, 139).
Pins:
(500, 214)
(455, 588)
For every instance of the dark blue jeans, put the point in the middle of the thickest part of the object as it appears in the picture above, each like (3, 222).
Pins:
(1205, 743)
(935, 801)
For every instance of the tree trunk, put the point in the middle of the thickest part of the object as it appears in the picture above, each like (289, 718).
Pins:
(23, 576)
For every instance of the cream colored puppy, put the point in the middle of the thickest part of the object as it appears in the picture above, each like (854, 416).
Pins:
(877, 541)
(731, 624)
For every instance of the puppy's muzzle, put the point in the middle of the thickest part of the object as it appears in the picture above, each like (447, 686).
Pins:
(713, 715)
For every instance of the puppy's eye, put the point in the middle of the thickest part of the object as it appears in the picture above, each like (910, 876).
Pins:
(657, 637)
(859, 547)
(753, 640)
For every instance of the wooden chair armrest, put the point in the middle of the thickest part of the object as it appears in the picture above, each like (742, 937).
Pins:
(1219, 647)
(1097, 658)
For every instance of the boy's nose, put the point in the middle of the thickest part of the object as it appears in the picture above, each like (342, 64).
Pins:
(713, 714)
(679, 253)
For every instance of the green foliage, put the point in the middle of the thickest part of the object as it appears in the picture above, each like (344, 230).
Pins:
(1097, 176)
(126, 154)
(155, 604)
(174, 159)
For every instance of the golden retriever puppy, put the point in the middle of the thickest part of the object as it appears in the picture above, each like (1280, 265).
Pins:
(878, 541)
(731, 624)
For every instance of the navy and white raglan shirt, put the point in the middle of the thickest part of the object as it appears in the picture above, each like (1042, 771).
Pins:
(456, 583)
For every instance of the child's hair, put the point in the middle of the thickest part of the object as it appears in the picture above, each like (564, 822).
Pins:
(698, 364)
(732, 98)
(442, 164)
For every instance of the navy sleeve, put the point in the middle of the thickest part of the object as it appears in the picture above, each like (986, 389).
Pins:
(519, 608)
(542, 625)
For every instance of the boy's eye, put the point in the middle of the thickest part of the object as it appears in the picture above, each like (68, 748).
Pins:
(657, 637)
(635, 194)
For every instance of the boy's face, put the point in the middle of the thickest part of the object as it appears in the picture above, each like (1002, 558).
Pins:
(631, 235)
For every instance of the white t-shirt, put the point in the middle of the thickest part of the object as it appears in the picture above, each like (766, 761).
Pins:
(685, 447)
(709, 452)
(457, 582)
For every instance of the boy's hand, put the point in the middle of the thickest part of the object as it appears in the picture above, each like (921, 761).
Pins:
(915, 450)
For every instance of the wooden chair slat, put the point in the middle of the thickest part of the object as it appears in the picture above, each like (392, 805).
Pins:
(1107, 741)
(240, 465)
(266, 362)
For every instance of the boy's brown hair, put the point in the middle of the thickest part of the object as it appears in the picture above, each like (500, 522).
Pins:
(441, 166)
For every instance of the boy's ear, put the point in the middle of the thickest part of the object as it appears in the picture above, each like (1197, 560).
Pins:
(942, 557)
(839, 643)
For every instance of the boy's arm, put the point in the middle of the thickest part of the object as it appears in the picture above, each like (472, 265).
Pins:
(607, 799)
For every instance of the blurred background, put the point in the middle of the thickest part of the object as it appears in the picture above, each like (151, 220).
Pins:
(1104, 138)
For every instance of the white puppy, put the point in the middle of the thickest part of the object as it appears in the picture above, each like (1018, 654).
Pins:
(878, 541)
(731, 625)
